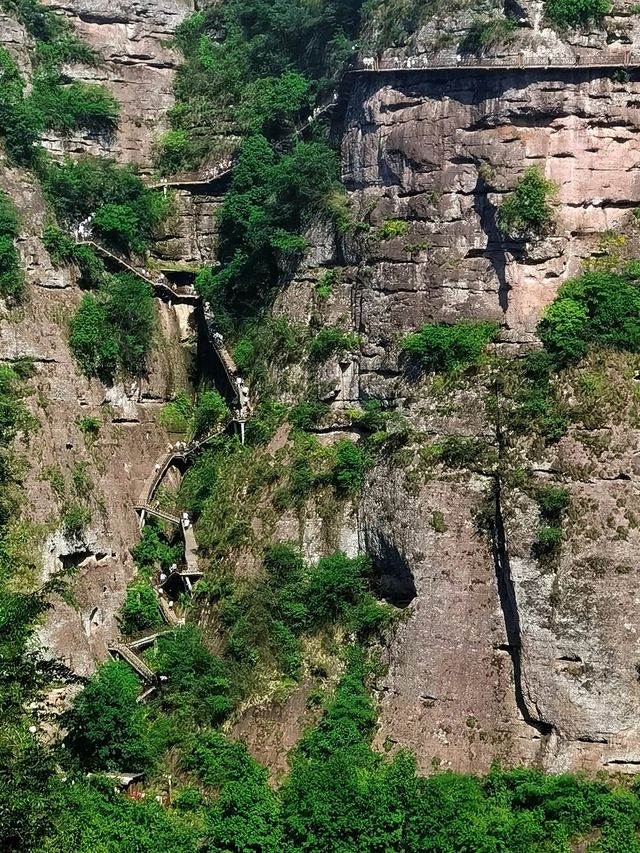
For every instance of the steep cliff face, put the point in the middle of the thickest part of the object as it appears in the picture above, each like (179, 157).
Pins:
(118, 460)
(500, 654)
(137, 68)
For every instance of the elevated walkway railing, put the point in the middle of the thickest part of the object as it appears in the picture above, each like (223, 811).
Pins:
(205, 179)
(160, 285)
(145, 639)
(239, 388)
(135, 662)
(605, 59)
(167, 612)
(160, 469)
(158, 513)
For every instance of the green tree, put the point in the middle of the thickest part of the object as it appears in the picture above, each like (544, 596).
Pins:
(210, 412)
(576, 13)
(445, 348)
(112, 331)
(106, 725)
(199, 685)
(11, 275)
(528, 210)
(140, 608)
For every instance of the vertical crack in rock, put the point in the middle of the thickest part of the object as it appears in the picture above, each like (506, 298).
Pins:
(507, 593)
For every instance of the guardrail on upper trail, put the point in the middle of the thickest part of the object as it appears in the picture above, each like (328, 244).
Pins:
(606, 59)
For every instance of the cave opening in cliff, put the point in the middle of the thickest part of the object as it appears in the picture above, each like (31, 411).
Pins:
(393, 578)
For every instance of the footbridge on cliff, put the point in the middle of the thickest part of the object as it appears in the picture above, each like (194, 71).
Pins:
(597, 60)
(160, 284)
(196, 181)
(182, 578)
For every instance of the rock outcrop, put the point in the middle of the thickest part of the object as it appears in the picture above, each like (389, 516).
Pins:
(499, 654)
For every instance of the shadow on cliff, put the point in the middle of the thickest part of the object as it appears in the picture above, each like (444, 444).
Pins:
(392, 578)
(495, 251)
(510, 613)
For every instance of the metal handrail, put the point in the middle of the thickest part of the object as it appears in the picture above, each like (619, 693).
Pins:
(423, 63)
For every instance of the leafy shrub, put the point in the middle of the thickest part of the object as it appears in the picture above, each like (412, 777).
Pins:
(176, 416)
(112, 331)
(153, 548)
(271, 199)
(45, 25)
(11, 275)
(140, 608)
(89, 426)
(483, 35)
(274, 342)
(527, 211)
(78, 105)
(601, 307)
(350, 466)
(51, 104)
(247, 70)
(307, 414)
(106, 727)
(547, 540)
(199, 683)
(458, 451)
(535, 408)
(76, 519)
(576, 13)
(125, 213)
(444, 349)
(553, 502)
(327, 281)
(391, 229)
(63, 250)
(332, 340)
(263, 425)
(210, 412)
(266, 619)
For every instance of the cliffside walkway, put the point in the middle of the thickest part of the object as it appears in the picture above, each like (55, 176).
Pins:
(182, 578)
(121, 650)
(167, 612)
(145, 507)
(607, 60)
(161, 286)
(239, 387)
(218, 173)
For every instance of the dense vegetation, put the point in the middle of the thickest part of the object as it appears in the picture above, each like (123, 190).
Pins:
(112, 330)
(339, 796)
(255, 72)
(124, 213)
(600, 307)
(294, 619)
(484, 34)
(197, 420)
(11, 275)
(576, 13)
(253, 68)
(272, 197)
(445, 348)
(527, 211)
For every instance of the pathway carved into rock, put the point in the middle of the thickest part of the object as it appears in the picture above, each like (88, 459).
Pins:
(160, 284)
(604, 60)
(182, 578)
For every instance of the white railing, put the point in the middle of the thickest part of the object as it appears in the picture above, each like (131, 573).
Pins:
(599, 59)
